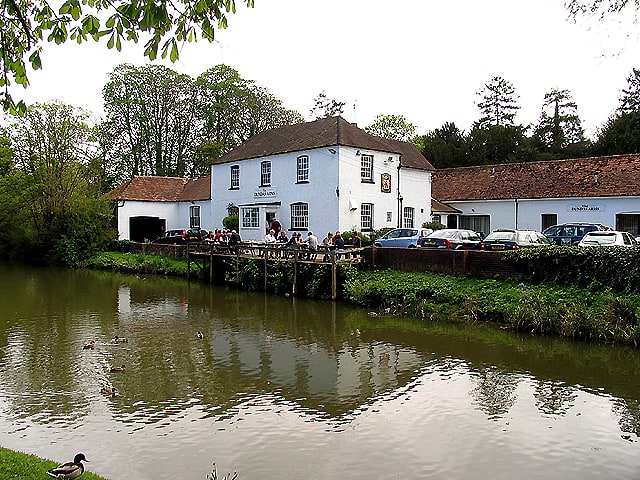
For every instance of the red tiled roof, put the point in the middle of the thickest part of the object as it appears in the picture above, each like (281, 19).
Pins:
(583, 177)
(163, 189)
(325, 132)
(439, 207)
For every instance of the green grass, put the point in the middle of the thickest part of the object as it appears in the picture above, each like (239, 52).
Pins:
(20, 465)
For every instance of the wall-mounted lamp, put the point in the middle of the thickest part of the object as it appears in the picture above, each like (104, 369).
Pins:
(120, 203)
(358, 152)
(332, 151)
(337, 191)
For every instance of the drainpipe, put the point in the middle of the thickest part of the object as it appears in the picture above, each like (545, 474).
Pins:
(399, 195)
(515, 201)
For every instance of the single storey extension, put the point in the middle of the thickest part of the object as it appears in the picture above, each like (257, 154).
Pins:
(536, 195)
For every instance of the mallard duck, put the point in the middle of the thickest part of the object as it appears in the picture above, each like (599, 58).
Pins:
(90, 346)
(109, 391)
(200, 335)
(69, 470)
(121, 368)
(118, 339)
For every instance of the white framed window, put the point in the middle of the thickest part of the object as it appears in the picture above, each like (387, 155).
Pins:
(299, 216)
(194, 216)
(366, 216)
(250, 217)
(265, 174)
(235, 177)
(408, 214)
(302, 169)
(366, 168)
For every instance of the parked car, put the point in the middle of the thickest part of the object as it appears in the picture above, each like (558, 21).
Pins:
(608, 238)
(402, 237)
(506, 239)
(194, 235)
(453, 238)
(172, 237)
(571, 233)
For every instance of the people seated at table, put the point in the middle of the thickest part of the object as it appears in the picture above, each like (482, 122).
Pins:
(282, 238)
(295, 240)
(270, 237)
(312, 242)
(356, 241)
(234, 240)
(338, 241)
(328, 240)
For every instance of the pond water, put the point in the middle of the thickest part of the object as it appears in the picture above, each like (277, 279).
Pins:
(282, 388)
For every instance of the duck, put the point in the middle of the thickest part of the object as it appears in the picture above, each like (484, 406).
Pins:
(109, 391)
(121, 368)
(69, 470)
(200, 335)
(118, 339)
(90, 346)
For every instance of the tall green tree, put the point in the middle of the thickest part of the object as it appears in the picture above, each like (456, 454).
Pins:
(27, 24)
(559, 126)
(150, 125)
(445, 147)
(495, 144)
(231, 110)
(620, 135)
(324, 107)
(52, 146)
(630, 96)
(394, 127)
(498, 105)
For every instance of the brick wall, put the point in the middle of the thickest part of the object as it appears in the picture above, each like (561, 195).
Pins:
(458, 262)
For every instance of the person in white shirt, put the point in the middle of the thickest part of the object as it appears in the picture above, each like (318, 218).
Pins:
(312, 241)
(270, 237)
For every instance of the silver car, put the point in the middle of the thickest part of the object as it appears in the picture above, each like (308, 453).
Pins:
(402, 237)
(608, 238)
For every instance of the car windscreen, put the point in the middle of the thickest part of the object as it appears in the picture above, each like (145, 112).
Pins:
(442, 234)
(501, 236)
(600, 239)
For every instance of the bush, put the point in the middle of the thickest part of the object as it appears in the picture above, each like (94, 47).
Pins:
(231, 222)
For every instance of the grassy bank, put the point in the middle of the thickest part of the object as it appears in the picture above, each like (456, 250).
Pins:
(601, 315)
(20, 465)
(593, 313)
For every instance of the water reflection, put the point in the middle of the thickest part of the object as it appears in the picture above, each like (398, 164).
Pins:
(325, 363)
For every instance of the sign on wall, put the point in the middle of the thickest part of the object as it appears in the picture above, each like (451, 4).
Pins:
(586, 207)
(262, 193)
(385, 182)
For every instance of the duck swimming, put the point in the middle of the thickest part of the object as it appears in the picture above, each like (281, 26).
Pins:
(200, 335)
(118, 339)
(90, 346)
(69, 470)
(121, 368)
(109, 391)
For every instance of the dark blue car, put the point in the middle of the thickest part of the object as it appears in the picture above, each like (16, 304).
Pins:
(571, 233)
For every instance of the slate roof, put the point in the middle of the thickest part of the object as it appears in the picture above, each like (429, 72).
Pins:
(163, 189)
(584, 177)
(326, 132)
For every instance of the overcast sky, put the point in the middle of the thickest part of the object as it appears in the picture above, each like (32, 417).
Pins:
(424, 59)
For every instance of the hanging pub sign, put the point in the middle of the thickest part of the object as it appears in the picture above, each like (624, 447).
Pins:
(385, 182)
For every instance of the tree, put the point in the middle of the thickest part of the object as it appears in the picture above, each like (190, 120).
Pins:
(495, 144)
(619, 135)
(600, 8)
(630, 98)
(25, 26)
(231, 110)
(52, 146)
(394, 127)
(324, 107)
(559, 125)
(444, 147)
(150, 125)
(498, 105)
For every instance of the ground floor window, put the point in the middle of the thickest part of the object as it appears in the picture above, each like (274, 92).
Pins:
(299, 216)
(408, 214)
(250, 217)
(628, 222)
(194, 216)
(548, 220)
(366, 217)
(477, 223)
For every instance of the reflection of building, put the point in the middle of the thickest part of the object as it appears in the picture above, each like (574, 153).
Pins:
(345, 378)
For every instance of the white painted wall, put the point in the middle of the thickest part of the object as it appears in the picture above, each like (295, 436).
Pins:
(574, 209)
(328, 210)
(134, 208)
